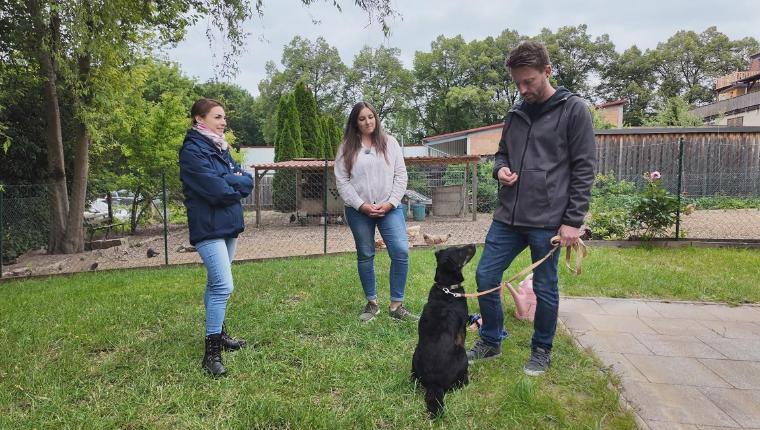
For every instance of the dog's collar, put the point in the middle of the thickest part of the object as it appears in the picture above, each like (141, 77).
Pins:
(447, 289)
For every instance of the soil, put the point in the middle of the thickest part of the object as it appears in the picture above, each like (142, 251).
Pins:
(279, 237)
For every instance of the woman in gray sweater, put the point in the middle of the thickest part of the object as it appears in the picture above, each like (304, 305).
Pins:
(371, 178)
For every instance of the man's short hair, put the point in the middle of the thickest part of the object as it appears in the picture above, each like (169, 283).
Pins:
(530, 53)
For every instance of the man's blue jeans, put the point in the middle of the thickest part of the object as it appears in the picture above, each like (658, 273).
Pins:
(217, 255)
(503, 244)
(392, 229)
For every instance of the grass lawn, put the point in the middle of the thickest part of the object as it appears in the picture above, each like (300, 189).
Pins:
(122, 349)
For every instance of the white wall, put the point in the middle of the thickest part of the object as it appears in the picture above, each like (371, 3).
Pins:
(415, 151)
(257, 155)
(751, 118)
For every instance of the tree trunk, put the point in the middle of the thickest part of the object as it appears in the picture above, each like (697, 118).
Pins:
(44, 38)
(74, 239)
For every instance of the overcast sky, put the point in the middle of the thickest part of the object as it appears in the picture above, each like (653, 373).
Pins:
(641, 22)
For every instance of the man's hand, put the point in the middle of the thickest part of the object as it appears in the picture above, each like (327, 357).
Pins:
(506, 176)
(568, 235)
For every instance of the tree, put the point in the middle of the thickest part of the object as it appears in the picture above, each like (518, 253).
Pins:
(688, 63)
(239, 108)
(287, 147)
(463, 85)
(288, 144)
(630, 77)
(332, 135)
(308, 116)
(576, 59)
(675, 113)
(142, 135)
(378, 77)
(444, 94)
(318, 64)
(80, 46)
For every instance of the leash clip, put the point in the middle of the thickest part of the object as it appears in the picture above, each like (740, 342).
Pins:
(447, 291)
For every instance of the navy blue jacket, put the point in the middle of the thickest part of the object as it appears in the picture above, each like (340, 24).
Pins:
(212, 190)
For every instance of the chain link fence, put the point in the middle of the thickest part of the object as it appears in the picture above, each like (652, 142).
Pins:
(717, 181)
(297, 210)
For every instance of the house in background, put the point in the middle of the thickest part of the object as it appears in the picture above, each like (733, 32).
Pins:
(738, 98)
(482, 141)
(612, 112)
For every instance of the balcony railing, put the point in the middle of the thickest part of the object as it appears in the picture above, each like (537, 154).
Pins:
(730, 78)
(729, 105)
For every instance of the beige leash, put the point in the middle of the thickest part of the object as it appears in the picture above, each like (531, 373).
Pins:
(580, 253)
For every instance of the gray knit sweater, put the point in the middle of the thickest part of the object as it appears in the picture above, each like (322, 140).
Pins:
(372, 179)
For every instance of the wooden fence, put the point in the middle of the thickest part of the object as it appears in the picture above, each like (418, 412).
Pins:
(724, 160)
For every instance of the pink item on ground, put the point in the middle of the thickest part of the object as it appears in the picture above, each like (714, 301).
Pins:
(525, 299)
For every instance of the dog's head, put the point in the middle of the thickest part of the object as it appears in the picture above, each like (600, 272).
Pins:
(450, 262)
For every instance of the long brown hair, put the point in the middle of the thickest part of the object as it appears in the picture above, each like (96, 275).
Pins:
(352, 137)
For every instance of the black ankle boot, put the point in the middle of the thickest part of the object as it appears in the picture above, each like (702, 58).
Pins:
(212, 359)
(230, 343)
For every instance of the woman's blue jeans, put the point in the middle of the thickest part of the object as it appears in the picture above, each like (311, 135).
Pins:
(503, 244)
(392, 229)
(217, 255)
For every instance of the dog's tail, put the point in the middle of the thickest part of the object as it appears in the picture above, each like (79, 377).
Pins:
(434, 401)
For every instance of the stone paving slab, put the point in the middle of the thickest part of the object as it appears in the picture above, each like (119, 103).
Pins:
(677, 346)
(693, 366)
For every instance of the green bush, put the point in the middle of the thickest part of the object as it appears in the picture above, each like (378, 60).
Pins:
(656, 210)
(611, 203)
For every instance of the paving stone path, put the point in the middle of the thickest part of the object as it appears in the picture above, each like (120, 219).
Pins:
(682, 365)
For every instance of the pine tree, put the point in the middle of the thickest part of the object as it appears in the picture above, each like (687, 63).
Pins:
(287, 147)
(311, 132)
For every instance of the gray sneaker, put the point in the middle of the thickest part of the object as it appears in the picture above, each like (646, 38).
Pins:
(539, 362)
(402, 314)
(369, 312)
(482, 351)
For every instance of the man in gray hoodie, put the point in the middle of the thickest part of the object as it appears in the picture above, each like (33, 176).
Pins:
(545, 169)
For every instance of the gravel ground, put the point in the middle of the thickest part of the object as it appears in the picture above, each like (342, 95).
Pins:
(278, 237)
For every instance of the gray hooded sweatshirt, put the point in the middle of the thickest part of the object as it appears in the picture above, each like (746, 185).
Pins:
(554, 156)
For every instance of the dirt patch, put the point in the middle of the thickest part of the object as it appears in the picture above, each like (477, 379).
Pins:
(279, 236)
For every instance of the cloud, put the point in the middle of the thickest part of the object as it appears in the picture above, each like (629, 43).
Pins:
(643, 23)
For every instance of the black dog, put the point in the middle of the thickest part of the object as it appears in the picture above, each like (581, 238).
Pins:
(440, 360)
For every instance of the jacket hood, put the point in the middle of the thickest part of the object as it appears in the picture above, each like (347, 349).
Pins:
(561, 94)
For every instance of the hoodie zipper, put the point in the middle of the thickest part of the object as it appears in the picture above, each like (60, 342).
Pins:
(522, 160)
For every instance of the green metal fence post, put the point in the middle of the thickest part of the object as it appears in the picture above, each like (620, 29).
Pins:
(678, 188)
(324, 202)
(166, 239)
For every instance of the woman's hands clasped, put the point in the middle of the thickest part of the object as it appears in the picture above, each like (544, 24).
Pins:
(375, 210)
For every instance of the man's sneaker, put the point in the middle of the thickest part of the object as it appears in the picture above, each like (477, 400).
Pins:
(402, 314)
(482, 351)
(369, 312)
(539, 362)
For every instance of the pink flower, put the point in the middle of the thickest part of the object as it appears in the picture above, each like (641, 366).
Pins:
(655, 175)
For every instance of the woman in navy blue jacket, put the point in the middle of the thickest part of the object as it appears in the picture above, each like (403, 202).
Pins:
(213, 185)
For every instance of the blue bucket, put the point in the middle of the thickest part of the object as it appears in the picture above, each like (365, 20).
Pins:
(418, 211)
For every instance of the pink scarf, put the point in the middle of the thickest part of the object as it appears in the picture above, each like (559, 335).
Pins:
(219, 141)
